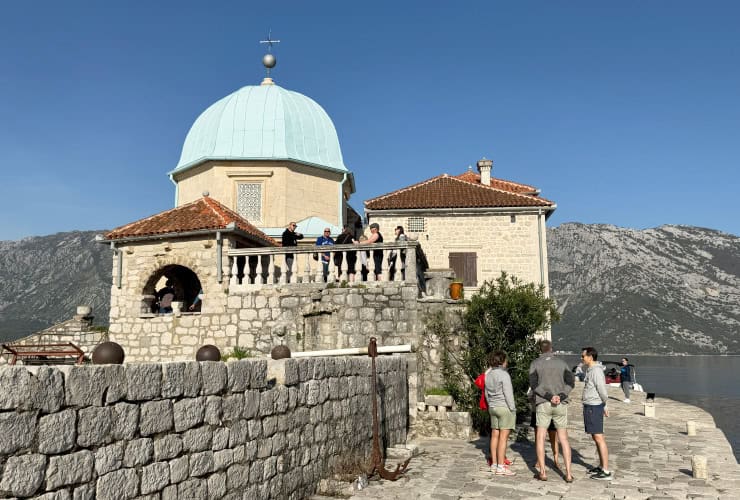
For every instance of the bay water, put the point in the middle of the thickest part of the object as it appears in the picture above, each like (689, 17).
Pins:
(710, 382)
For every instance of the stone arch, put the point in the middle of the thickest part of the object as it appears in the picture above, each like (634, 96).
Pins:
(185, 282)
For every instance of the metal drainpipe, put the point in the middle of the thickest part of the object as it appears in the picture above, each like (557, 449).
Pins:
(119, 255)
(341, 201)
(539, 246)
(219, 251)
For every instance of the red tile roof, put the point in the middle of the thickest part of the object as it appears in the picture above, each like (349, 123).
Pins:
(514, 187)
(201, 215)
(447, 191)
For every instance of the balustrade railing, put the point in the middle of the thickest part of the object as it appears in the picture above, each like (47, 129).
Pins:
(378, 262)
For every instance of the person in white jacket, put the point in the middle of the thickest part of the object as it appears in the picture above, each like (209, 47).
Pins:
(594, 411)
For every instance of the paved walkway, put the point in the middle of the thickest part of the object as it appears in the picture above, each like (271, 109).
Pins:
(650, 457)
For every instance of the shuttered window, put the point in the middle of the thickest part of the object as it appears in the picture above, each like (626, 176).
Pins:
(465, 266)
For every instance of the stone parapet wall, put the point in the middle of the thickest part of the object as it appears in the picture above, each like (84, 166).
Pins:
(191, 430)
(301, 316)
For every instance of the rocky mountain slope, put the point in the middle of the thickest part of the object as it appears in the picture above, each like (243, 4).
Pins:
(43, 279)
(671, 289)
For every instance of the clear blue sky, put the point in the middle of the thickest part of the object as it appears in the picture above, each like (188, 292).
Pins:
(625, 113)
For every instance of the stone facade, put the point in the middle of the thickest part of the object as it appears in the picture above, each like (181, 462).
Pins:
(303, 317)
(290, 190)
(512, 242)
(144, 263)
(192, 430)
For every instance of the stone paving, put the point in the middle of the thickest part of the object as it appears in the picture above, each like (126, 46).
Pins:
(650, 457)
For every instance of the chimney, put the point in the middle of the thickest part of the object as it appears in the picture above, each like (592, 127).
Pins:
(484, 167)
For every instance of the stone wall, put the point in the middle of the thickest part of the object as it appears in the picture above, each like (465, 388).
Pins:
(191, 430)
(301, 316)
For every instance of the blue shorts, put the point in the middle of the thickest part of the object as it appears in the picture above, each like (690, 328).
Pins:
(593, 419)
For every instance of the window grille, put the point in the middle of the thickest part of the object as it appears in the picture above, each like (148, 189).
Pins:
(415, 224)
(249, 201)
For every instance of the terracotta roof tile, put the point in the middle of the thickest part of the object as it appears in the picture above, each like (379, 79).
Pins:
(514, 187)
(202, 214)
(445, 191)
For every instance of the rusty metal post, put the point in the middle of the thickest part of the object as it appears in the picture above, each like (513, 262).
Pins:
(378, 462)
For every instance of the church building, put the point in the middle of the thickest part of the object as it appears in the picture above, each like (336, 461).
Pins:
(211, 270)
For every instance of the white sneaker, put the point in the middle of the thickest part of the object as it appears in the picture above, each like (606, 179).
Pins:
(626, 400)
(505, 471)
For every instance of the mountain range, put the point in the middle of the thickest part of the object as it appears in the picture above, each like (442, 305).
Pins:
(670, 289)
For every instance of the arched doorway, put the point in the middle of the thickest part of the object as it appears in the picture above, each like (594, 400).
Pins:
(182, 279)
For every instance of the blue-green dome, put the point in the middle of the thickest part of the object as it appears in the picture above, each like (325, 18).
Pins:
(263, 122)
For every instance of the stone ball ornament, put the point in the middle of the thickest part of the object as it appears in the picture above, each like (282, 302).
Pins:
(108, 353)
(208, 353)
(280, 352)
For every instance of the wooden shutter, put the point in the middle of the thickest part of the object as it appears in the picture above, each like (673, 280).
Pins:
(471, 269)
(465, 265)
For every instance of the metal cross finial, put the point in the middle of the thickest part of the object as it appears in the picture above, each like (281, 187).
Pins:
(269, 60)
(269, 41)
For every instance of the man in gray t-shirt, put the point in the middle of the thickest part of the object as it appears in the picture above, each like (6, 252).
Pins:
(551, 381)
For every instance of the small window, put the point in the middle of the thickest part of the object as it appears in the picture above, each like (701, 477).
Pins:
(415, 224)
(465, 266)
(249, 201)
(513, 219)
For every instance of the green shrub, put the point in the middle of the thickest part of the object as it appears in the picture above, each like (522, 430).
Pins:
(236, 353)
(504, 315)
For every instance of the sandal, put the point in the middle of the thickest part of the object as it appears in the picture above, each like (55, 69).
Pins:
(540, 476)
(569, 479)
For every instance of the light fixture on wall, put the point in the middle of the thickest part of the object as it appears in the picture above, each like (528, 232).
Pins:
(427, 237)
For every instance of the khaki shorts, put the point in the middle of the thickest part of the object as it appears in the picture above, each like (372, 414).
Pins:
(547, 412)
(502, 418)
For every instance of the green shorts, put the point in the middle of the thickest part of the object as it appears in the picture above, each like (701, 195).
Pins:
(502, 418)
(547, 412)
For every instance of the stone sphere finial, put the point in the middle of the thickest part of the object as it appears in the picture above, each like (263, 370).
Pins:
(108, 353)
(269, 61)
(208, 353)
(280, 352)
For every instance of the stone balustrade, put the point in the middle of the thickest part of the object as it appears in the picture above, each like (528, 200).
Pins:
(257, 267)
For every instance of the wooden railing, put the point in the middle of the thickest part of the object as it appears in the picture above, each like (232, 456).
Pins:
(272, 266)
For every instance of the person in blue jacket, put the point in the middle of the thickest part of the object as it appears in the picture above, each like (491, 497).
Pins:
(325, 239)
(625, 378)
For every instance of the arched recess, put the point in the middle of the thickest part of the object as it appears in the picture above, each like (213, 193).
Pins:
(184, 281)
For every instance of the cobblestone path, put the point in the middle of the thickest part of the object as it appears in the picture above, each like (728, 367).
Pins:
(650, 457)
